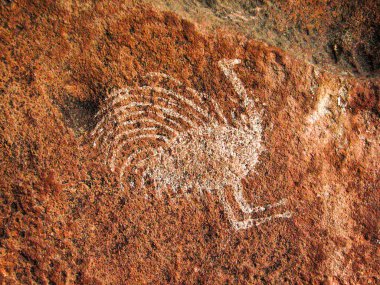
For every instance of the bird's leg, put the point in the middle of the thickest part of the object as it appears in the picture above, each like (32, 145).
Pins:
(243, 204)
(227, 207)
(247, 223)
(246, 207)
(242, 225)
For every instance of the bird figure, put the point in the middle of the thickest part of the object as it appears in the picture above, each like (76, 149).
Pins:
(179, 140)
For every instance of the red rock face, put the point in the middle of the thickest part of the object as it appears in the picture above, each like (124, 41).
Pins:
(69, 217)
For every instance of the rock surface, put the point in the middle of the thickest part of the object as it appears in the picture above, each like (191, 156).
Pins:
(68, 218)
(343, 36)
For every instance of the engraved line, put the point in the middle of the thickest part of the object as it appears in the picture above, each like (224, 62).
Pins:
(122, 94)
(133, 131)
(227, 67)
(131, 157)
(227, 207)
(146, 120)
(178, 125)
(132, 122)
(170, 112)
(120, 146)
(242, 225)
(187, 101)
(166, 76)
(130, 105)
(238, 194)
(101, 130)
(217, 109)
(269, 206)
(115, 111)
(127, 95)
(114, 98)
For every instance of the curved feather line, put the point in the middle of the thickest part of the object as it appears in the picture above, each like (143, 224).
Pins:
(118, 110)
(120, 146)
(216, 106)
(115, 100)
(195, 93)
(218, 111)
(169, 92)
(166, 76)
(143, 120)
(132, 156)
(131, 131)
(179, 126)
(133, 104)
(112, 98)
(170, 112)
(118, 137)
(175, 132)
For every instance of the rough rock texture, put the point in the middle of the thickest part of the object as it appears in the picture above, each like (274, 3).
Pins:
(65, 219)
(344, 36)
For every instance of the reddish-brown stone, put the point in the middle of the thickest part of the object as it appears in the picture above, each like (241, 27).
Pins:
(66, 220)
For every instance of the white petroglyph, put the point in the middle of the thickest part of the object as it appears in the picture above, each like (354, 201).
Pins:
(183, 145)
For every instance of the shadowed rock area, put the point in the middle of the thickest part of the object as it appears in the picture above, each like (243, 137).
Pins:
(343, 36)
(101, 100)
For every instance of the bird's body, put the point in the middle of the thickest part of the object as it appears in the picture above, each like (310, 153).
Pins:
(205, 159)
